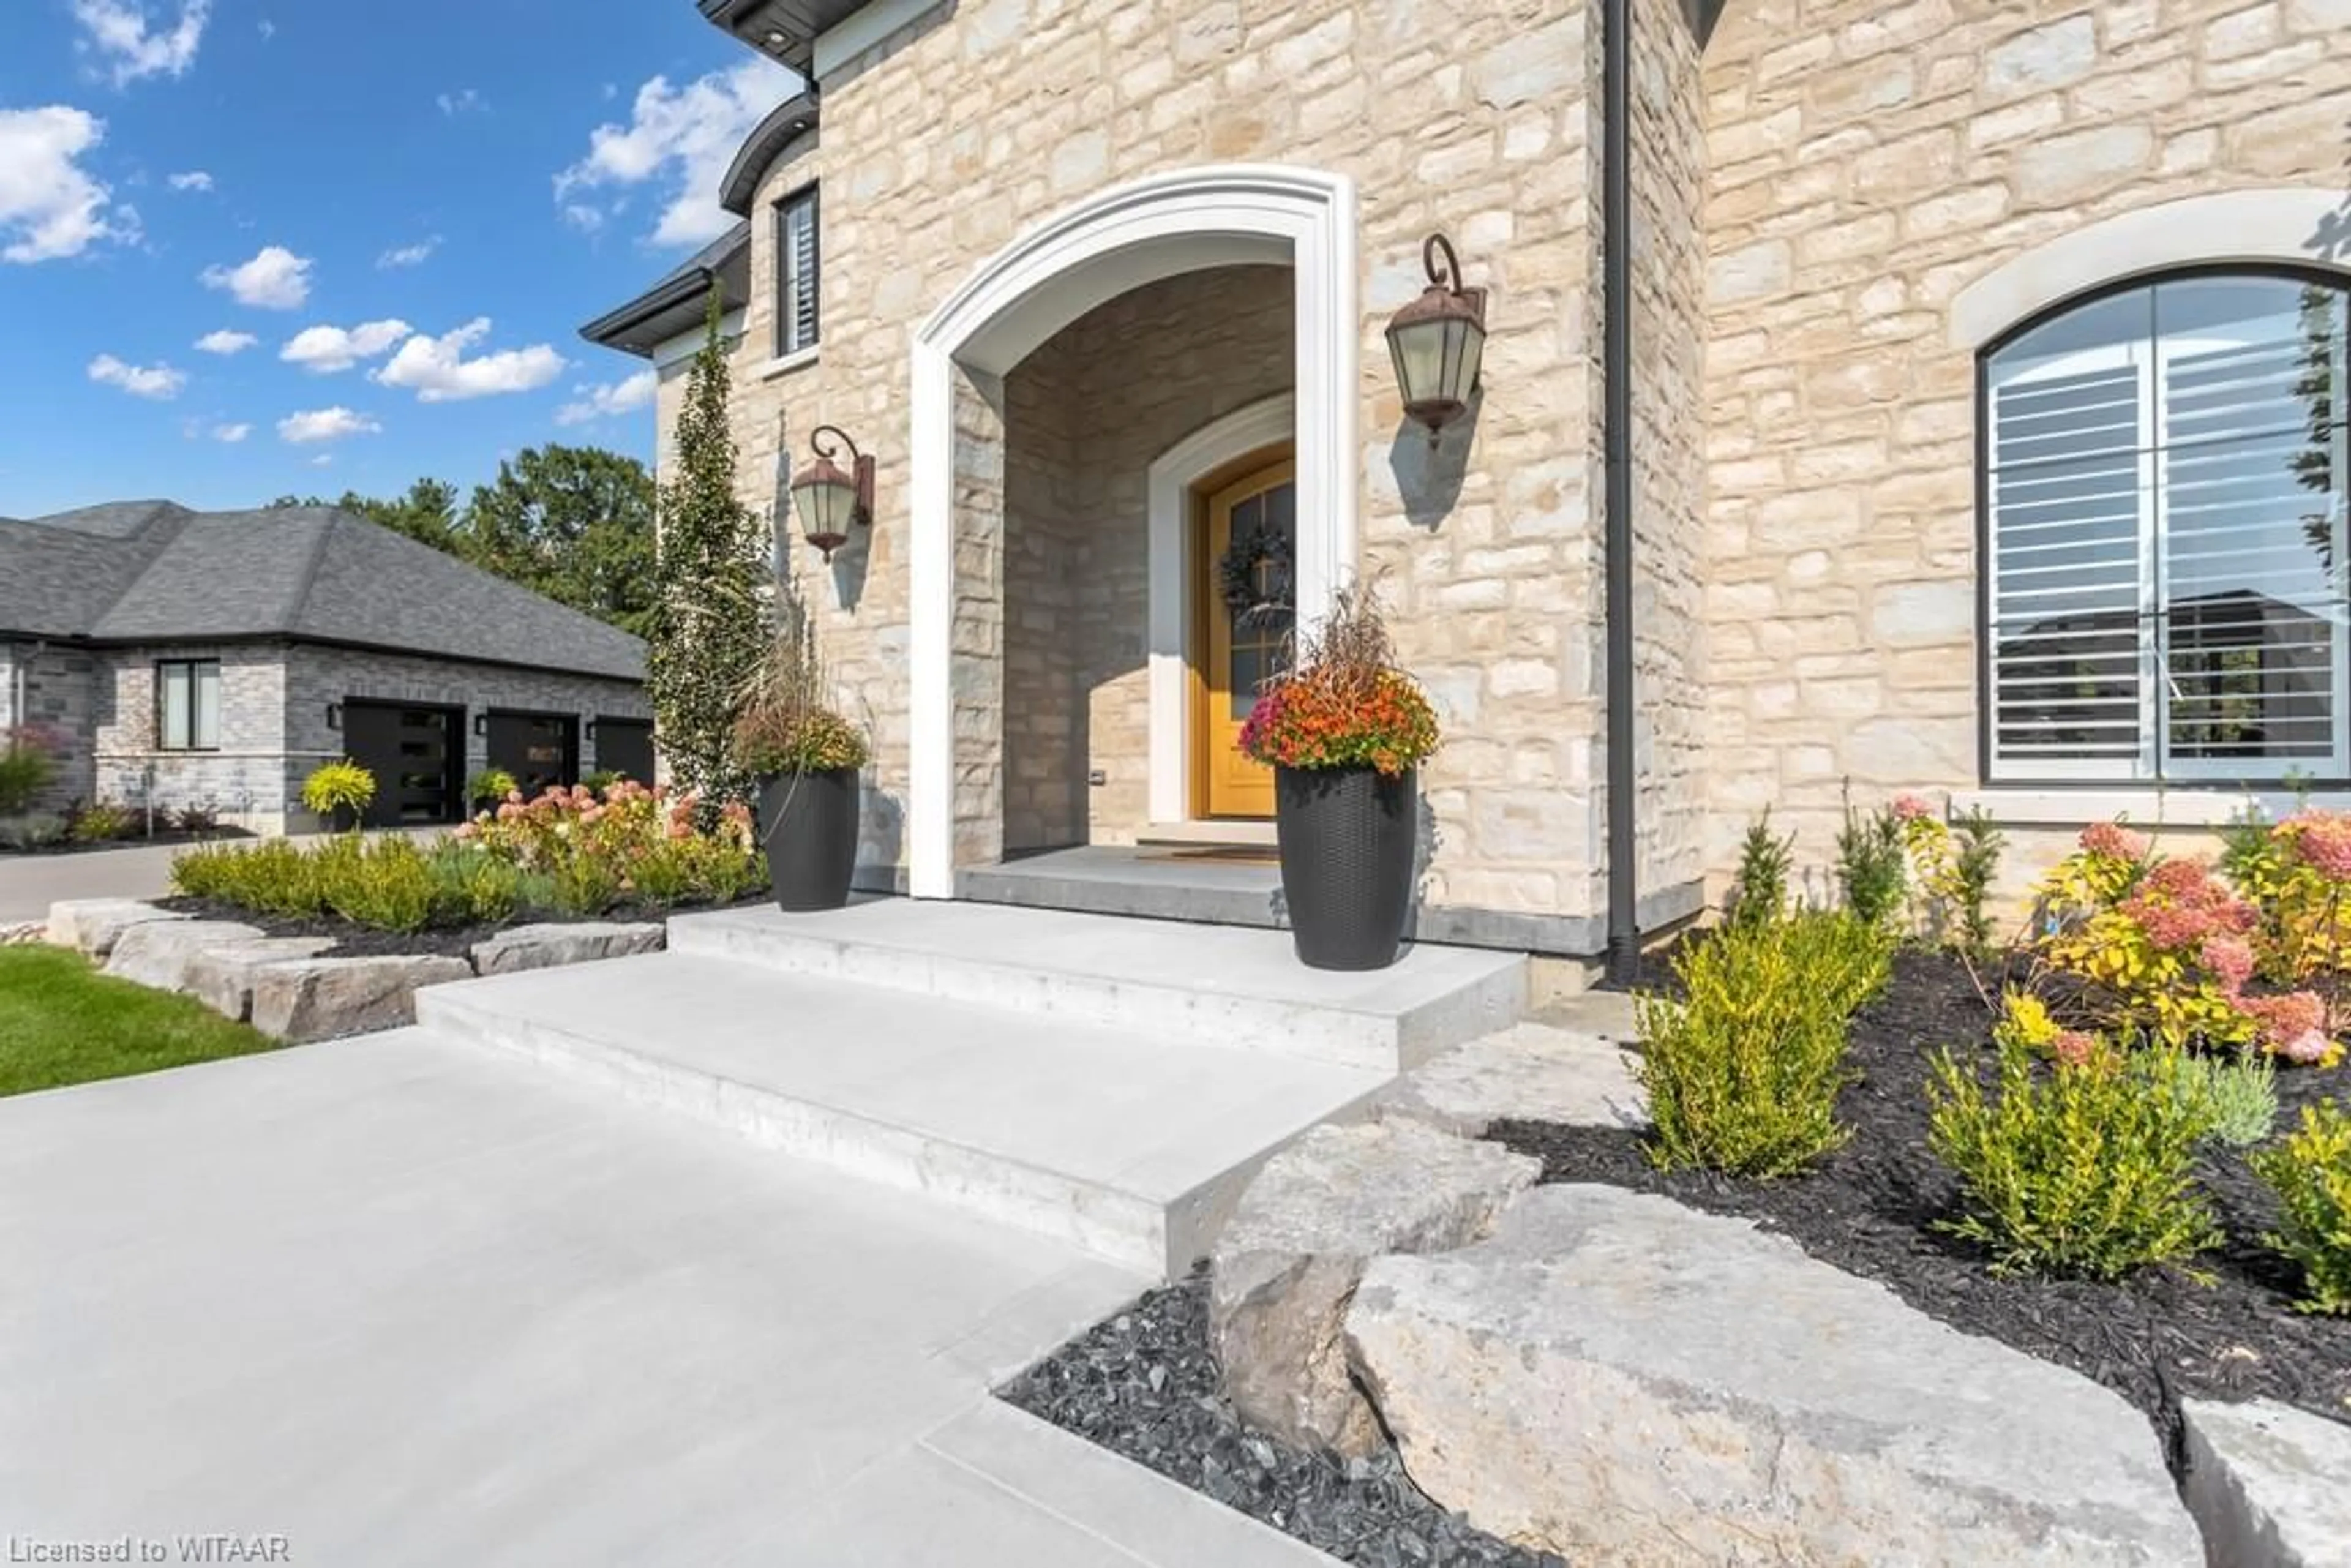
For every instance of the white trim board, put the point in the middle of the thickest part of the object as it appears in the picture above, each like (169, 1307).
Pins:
(1169, 619)
(1186, 221)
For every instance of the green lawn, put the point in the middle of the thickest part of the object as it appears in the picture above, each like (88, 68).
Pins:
(62, 1022)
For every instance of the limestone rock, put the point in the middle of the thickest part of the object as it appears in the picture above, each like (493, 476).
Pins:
(93, 925)
(158, 952)
(324, 998)
(2266, 1481)
(550, 946)
(1288, 1262)
(222, 977)
(20, 933)
(1529, 1072)
(1619, 1379)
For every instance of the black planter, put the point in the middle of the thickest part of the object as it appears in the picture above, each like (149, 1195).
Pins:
(341, 820)
(1347, 837)
(807, 825)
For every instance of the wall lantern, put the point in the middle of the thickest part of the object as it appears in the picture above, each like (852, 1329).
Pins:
(1438, 340)
(334, 716)
(830, 500)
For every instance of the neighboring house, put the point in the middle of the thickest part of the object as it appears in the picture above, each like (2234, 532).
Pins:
(216, 658)
(1971, 352)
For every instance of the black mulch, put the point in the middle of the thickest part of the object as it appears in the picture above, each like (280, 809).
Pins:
(1145, 1384)
(1869, 1208)
(355, 941)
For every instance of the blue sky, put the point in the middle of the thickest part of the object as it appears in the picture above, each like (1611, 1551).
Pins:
(254, 247)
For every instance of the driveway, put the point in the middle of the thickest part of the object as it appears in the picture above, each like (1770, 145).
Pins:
(400, 1300)
(30, 883)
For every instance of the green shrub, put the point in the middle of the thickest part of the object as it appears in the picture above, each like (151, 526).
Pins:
(2237, 1094)
(2083, 1166)
(1759, 892)
(603, 778)
(585, 885)
(1975, 865)
(666, 873)
(28, 762)
(1743, 1075)
(335, 787)
(2310, 1171)
(489, 786)
(472, 887)
(1872, 865)
(198, 817)
(102, 822)
(387, 885)
(274, 876)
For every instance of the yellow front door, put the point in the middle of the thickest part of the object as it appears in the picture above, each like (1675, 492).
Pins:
(1251, 534)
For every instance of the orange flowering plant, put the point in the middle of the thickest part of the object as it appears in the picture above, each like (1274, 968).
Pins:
(1346, 703)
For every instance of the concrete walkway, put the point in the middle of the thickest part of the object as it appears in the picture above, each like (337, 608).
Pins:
(400, 1300)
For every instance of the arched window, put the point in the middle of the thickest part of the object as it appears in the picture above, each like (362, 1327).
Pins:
(2165, 560)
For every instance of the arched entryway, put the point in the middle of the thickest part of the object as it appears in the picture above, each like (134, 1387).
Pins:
(1167, 226)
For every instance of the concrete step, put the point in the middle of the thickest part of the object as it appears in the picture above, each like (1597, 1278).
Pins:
(1216, 986)
(1107, 1137)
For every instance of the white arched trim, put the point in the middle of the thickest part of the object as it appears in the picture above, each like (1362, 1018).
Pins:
(2292, 224)
(1172, 476)
(1129, 235)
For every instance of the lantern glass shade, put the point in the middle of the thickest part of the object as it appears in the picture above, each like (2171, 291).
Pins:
(826, 500)
(1436, 354)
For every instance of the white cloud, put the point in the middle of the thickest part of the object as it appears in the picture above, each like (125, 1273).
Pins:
(50, 206)
(323, 460)
(467, 101)
(415, 255)
(437, 371)
(276, 279)
(117, 31)
(231, 434)
(160, 382)
(323, 350)
(583, 217)
(193, 180)
(226, 342)
(683, 137)
(267, 28)
(325, 424)
(613, 397)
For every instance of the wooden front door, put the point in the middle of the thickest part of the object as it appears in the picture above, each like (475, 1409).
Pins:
(1251, 529)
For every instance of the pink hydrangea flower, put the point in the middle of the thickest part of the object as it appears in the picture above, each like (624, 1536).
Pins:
(465, 831)
(2322, 840)
(2075, 1049)
(2293, 1025)
(2115, 841)
(1910, 808)
(514, 798)
(2231, 959)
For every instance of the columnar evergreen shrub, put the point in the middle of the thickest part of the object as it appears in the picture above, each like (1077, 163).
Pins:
(1759, 892)
(1743, 1073)
(2310, 1171)
(705, 631)
(1871, 869)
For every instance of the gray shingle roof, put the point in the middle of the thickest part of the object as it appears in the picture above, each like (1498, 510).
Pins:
(158, 574)
(674, 306)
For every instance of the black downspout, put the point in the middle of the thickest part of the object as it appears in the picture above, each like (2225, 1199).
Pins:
(1616, 416)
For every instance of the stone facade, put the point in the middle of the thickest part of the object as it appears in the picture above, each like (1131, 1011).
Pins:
(1814, 184)
(1867, 161)
(53, 687)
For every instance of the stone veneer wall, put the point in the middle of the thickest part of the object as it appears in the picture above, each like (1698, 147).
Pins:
(977, 123)
(1106, 396)
(1867, 161)
(245, 780)
(60, 687)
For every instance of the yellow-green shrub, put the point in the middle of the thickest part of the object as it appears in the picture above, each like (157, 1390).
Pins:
(2310, 1171)
(1743, 1073)
(2081, 1165)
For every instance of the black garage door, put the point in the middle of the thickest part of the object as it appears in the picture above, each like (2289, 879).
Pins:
(418, 757)
(539, 749)
(625, 745)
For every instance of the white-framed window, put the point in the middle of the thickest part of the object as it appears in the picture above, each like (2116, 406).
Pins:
(799, 272)
(188, 705)
(2164, 485)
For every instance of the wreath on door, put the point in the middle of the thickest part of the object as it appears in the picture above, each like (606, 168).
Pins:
(1239, 567)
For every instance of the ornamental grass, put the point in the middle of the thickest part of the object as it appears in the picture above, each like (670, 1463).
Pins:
(1345, 703)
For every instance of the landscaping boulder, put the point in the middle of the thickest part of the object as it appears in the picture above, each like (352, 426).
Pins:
(324, 998)
(158, 952)
(93, 925)
(1529, 1072)
(2267, 1482)
(222, 977)
(20, 933)
(551, 946)
(1289, 1259)
(1616, 1378)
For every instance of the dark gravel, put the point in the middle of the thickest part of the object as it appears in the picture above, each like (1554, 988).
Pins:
(1145, 1384)
(1869, 1208)
(355, 941)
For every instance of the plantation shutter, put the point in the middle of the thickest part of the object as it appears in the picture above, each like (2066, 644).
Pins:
(2164, 505)
(797, 249)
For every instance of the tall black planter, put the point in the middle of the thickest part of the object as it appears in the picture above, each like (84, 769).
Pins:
(807, 825)
(1347, 836)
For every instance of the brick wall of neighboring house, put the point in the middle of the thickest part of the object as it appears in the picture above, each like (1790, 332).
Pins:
(977, 124)
(1086, 415)
(1867, 163)
(245, 780)
(58, 688)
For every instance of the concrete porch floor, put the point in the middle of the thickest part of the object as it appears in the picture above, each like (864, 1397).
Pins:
(1157, 882)
(402, 1300)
